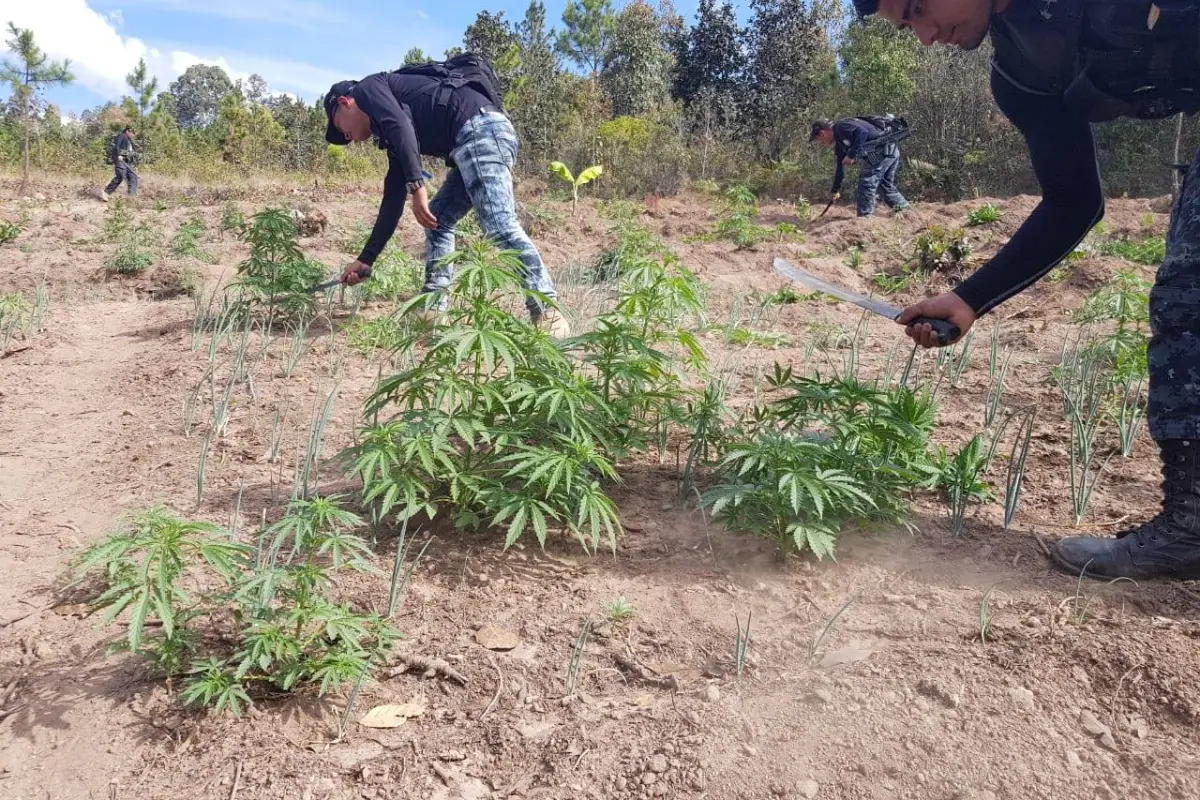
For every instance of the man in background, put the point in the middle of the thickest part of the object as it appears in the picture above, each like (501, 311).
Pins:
(122, 157)
(854, 141)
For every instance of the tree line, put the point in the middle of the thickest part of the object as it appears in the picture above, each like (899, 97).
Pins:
(658, 100)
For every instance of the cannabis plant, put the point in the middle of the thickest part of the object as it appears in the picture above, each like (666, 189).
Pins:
(277, 273)
(281, 626)
(825, 454)
(492, 426)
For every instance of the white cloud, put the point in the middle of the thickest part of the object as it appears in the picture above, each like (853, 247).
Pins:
(101, 57)
(421, 14)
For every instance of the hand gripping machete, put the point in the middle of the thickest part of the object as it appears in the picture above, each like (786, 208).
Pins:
(363, 274)
(946, 331)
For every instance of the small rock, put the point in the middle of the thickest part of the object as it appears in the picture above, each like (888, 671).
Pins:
(823, 696)
(1073, 759)
(808, 789)
(848, 655)
(1023, 699)
(473, 789)
(452, 755)
(648, 778)
(496, 638)
(748, 750)
(711, 693)
(1078, 673)
(1107, 741)
(658, 764)
(1092, 725)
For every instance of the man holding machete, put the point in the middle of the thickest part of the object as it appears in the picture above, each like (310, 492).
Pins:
(1058, 66)
(865, 140)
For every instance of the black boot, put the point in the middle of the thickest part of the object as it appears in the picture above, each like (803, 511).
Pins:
(1167, 546)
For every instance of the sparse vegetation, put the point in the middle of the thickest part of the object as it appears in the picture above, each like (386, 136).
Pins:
(984, 215)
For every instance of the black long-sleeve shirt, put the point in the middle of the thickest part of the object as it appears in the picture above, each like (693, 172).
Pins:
(407, 121)
(849, 136)
(1063, 153)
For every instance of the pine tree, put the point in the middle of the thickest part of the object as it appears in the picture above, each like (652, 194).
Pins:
(636, 64)
(32, 72)
(588, 28)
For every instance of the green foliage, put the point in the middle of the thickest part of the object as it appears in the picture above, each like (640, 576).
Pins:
(587, 176)
(938, 249)
(618, 610)
(1150, 251)
(497, 425)
(118, 221)
(15, 314)
(277, 272)
(173, 575)
(804, 209)
(854, 257)
(634, 244)
(984, 215)
(186, 242)
(232, 218)
(827, 453)
(10, 230)
(366, 334)
(136, 250)
(959, 475)
(736, 219)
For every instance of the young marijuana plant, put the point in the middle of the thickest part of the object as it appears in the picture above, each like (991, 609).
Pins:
(737, 219)
(277, 273)
(587, 176)
(984, 215)
(959, 475)
(173, 576)
(938, 249)
(136, 251)
(232, 218)
(186, 241)
(827, 453)
(10, 230)
(493, 425)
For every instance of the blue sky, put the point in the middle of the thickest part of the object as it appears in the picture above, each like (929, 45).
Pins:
(299, 46)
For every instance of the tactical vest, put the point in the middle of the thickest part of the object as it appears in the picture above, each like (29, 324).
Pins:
(1106, 58)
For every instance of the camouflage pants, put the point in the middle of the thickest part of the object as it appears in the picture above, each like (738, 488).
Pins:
(1174, 353)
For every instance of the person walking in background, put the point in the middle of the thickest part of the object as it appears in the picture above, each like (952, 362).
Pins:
(450, 111)
(122, 156)
(854, 141)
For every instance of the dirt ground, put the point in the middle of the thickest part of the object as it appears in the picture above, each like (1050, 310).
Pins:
(901, 700)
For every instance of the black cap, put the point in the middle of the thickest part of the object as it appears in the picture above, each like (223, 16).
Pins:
(817, 127)
(339, 89)
(866, 8)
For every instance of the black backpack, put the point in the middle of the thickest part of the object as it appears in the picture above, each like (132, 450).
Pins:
(466, 69)
(892, 129)
(110, 150)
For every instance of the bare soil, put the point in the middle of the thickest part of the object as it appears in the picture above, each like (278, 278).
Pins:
(901, 698)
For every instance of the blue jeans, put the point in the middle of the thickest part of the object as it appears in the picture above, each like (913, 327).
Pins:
(485, 151)
(123, 172)
(878, 176)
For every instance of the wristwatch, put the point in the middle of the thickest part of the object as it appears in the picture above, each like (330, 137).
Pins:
(414, 185)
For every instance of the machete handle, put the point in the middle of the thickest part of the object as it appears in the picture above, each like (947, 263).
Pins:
(365, 273)
(945, 330)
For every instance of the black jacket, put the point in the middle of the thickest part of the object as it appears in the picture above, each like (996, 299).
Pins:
(408, 123)
(1029, 90)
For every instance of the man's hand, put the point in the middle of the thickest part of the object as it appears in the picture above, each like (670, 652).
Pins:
(354, 273)
(948, 306)
(420, 207)
(848, 161)
(836, 196)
